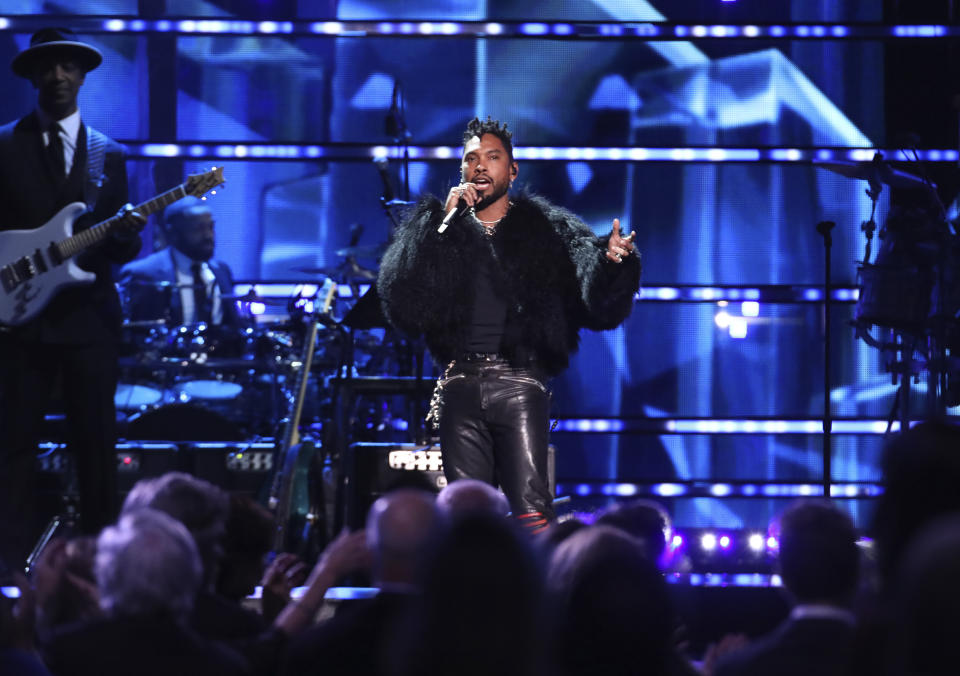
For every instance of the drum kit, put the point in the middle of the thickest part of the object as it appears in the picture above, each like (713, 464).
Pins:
(206, 382)
(909, 300)
(214, 382)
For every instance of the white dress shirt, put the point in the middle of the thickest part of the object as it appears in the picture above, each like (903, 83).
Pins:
(69, 131)
(183, 265)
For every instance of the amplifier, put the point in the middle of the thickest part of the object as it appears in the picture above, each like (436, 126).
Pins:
(375, 468)
(235, 467)
(135, 461)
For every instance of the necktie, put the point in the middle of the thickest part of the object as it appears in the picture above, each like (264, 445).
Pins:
(201, 307)
(55, 151)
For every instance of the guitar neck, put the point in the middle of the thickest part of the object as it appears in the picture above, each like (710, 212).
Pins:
(72, 245)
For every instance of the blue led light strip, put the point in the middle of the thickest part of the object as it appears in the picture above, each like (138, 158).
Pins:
(770, 293)
(724, 579)
(335, 151)
(652, 293)
(701, 489)
(723, 426)
(553, 30)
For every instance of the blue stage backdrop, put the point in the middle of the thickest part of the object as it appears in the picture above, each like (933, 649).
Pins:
(703, 222)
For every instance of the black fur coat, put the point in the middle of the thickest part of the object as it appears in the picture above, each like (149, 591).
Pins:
(550, 269)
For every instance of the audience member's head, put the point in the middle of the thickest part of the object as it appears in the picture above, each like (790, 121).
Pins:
(482, 603)
(927, 601)
(549, 539)
(248, 539)
(197, 504)
(612, 611)
(819, 558)
(147, 565)
(471, 496)
(645, 520)
(921, 472)
(402, 527)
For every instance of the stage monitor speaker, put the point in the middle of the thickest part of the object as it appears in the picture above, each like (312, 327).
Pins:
(135, 461)
(375, 468)
(235, 467)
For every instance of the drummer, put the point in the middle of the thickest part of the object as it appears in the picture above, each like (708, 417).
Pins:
(183, 283)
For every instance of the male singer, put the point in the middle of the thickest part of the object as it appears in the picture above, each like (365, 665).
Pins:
(500, 287)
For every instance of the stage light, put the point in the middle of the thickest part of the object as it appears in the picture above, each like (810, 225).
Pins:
(722, 320)
(721, 490)
(755, 542)
(772, 543)
(534, 29)
(724, 542)
(750, 308)
(738, 327)
(676, 542)
(708, 542)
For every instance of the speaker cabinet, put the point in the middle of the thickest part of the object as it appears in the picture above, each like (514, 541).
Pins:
(235, 467)
(375, 468)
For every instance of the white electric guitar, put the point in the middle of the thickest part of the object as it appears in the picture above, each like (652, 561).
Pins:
(39, 261)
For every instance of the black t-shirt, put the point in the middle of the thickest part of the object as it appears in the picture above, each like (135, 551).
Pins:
(489, 310)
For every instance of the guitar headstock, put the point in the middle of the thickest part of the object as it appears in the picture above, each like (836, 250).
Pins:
(199, 184)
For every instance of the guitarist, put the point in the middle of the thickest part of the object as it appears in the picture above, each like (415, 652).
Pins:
(49, 159)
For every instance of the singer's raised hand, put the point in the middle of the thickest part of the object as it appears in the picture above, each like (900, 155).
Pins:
(465, 191)
(619, 246)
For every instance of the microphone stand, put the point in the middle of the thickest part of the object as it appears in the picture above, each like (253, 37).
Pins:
(824, 228)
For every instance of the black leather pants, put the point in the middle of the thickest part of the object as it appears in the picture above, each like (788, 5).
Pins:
(494, 427)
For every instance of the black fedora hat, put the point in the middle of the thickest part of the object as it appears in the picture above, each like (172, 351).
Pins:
(49, 40)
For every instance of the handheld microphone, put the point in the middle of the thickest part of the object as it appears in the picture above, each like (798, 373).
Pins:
(455, 212)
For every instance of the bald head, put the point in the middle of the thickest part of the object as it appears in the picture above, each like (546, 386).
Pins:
(401, 528)
(471, 496)
(190, 226)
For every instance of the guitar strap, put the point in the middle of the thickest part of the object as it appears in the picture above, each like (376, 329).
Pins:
(96, 154)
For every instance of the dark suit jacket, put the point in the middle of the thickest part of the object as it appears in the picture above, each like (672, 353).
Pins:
(31, 195)
(800, 647)
(146, 300)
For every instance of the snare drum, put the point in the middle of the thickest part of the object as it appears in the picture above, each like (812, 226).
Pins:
(894, 296)
(136, 397)
(203, 391)
(222, 393)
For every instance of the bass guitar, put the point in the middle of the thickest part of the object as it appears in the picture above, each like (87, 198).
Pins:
(39, 262)
(290, 499)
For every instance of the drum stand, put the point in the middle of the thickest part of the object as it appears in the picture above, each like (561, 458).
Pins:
(64, 522)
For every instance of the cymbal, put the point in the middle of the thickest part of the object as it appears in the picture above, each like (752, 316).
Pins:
(156, 284)
(143, 323)
(875, 171)
(341, 275)
(366, 251)
(253, 297)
